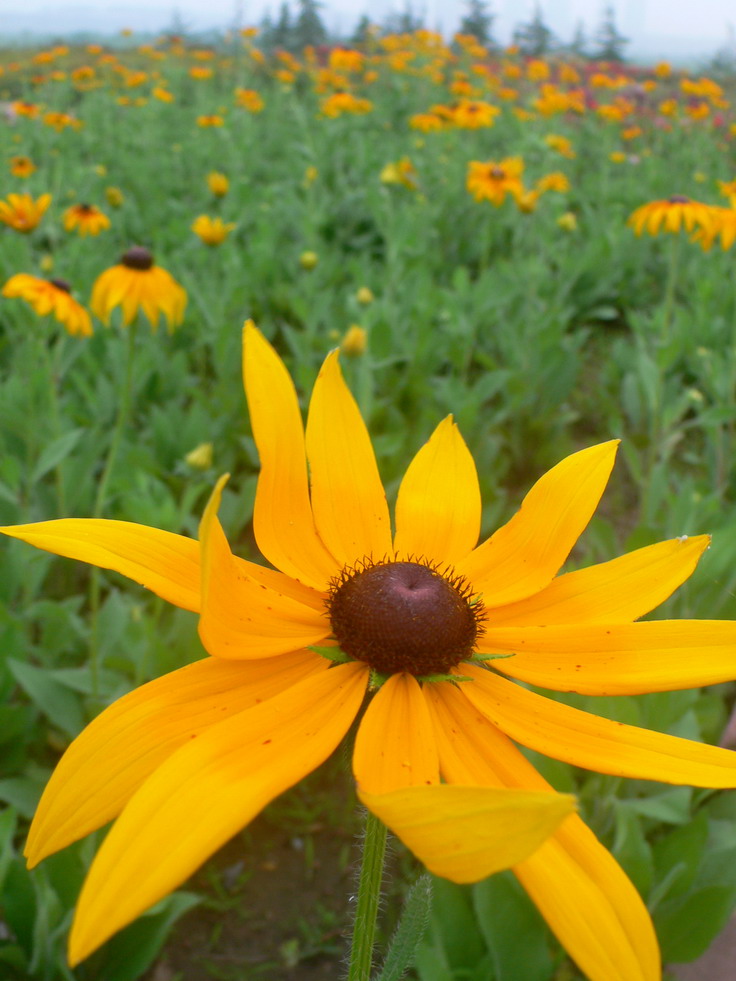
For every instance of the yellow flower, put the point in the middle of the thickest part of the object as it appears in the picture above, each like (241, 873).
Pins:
(200, 458)
(365, 296)
(308, 260)
(355, 341)
(218, 184)
(162, 94)
(493, 180)
(437, 762)
(249, 99)
(212, 231)
(344, 102)
(22, 166)
(87, 219)
(210, 120)
(721, 227)
(474, 114)
(310, 175)
(137, 284)
(22, 213)
(51, 296)
(556, 181)
(561, 144)
(670, 215)
(401, 172)
(114, 196)
(568, 222)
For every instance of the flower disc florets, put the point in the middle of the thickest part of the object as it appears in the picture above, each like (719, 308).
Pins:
(138, 257)
(404, 616)
(61, 284)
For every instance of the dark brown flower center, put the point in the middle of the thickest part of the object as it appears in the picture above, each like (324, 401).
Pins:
(678, 199)
(138, 257)
(61, 284)
(404, 616)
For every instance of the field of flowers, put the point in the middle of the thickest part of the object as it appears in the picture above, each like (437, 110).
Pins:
(539, 248)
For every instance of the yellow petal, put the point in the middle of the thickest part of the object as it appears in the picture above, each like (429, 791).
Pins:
(242, 617)
(619, 659)
(589, 741)
(395, 745)
(618, 591)
(348, 500)
(207, 791)
(579, 888)
(438, 507)
(467, 833)
(525, 554)
(165, 563)
(282, 519)
(119, 749)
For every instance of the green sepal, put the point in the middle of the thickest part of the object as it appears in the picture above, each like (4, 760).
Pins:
(335, 654)
(490, 657)
(452, 678)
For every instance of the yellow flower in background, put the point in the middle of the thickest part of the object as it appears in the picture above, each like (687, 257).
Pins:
(310, 175)
(308, 260)
(427, 122)
(355, 341)
(212, 231)
(200, 458)
(670, 215)
(493, 180)
(401, 172)
(51, 296)
(22, 213)
(526, 201)
(200, 72)
(292, 648)
(365, 296)
(556, 181)
(114, 197)
(210, 120)
(249, 99)
(344, 102)
(85, 219)
(561, 144)
(617, 156)
(22, 166)
(568, 221)
(721, 227)
(136, 283)
(162, 94)
(218, 184)
(474, 114)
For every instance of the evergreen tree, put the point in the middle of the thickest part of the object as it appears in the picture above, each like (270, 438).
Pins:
(406, 22)
(534, 39)
(478, 21)
(362, 32)
(282, 34)
(610, 43)
(309, 29)
(579, 43)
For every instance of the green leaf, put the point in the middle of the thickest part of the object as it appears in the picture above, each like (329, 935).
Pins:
(62, 706)
(132, 951)
(409, 932)
(516, 935)
(686, 927)
(55, 452)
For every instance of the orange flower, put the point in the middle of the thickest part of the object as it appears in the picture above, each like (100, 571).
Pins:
(136, 283)
(22, 166)
(51, 296)
(248, 99)
(22, 213)
(212, 231)
(210, 120)
(670, 215)
(86, 219)
(493, 180)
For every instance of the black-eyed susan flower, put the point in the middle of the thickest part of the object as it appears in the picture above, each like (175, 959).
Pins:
(51, 296)
(670, 215)
(218, 183)
(401, 172)
(355, 341)
(114, 197)
(493, 180)
(85, 219)
(212, 231)
(137, 283)
(210, 119)
(721, 228)
(249, 99)
(22, 212)
(22, 166)
(183, 762)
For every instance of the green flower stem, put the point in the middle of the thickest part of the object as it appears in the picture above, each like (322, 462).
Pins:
(369, 894)
(99, 506)
(668, 304)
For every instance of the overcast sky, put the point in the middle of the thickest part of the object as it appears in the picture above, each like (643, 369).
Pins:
(668, 27)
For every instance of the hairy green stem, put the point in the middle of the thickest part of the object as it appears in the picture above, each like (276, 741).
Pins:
(369, 894)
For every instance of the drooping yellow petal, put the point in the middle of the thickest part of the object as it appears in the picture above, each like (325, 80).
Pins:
(524, 555)
(207, 791)
(240, 616)
(282, 519)
(119, 749)
(467, 833)
(438, 507)
(165, 563)
(618, 659)
(395, 745)
(579, 888)
(618, 591)
(348, 499)
(589, 741)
